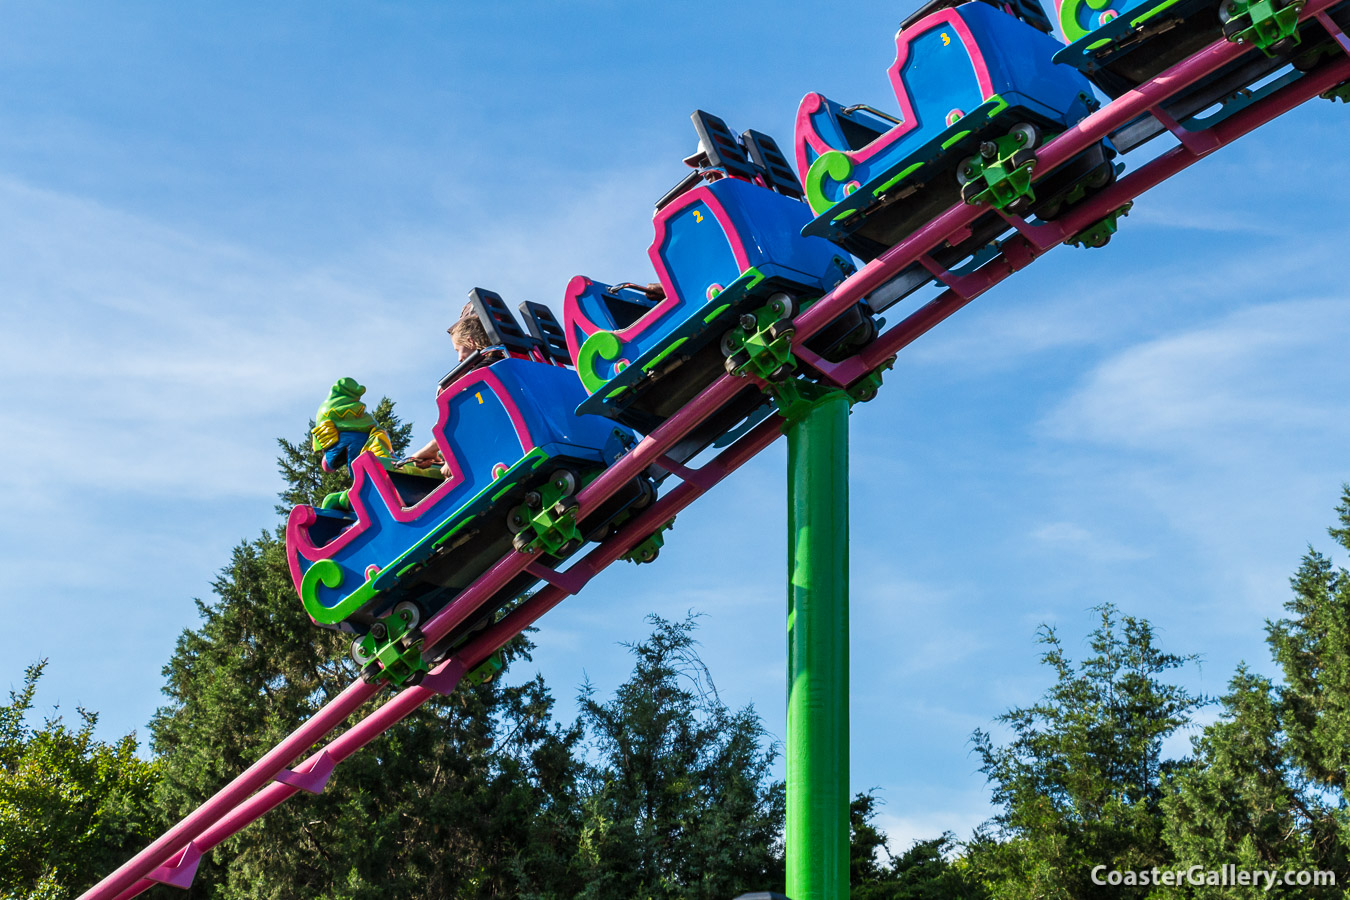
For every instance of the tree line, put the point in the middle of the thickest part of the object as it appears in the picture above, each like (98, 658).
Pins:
(662, 791)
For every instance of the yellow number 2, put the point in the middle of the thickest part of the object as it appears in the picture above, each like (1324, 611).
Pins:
(698, 216)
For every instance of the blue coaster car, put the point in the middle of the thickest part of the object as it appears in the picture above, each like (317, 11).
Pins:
(978, 92)
(728, 238)
(413, 540)
(1121, 44)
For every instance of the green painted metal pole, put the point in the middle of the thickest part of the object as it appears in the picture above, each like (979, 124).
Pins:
(817, 725)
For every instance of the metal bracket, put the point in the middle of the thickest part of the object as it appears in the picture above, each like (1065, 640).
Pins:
(487, 670)
(1260, 23)
(552, 527)
(649, 549)
(761, 345)
(445, 678)
(312, 777)
(567, 582)
(398, 662)
(181, 868)
(1000, 174)
(1098, 234)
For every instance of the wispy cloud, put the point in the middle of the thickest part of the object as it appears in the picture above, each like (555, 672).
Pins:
(1067, 537)
(1270, 368)
(903, 831)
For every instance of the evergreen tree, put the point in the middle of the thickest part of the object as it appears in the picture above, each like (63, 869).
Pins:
(923, 872)
(71, 807)
(1267, 788)
(468, 797)
(1312, 647)
(678, 801)
(1242, 801)
(1081, 783)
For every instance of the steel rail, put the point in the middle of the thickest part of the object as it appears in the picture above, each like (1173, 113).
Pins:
(249, 795)
(446, 676)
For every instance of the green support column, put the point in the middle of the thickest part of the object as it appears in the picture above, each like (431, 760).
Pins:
(817, 724)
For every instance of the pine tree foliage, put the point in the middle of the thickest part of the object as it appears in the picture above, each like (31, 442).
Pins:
(467, 797)
(678, 798)
(71, 807)
(1312, 647)
(1267, 786)
(1080, 784)
(923, 872)
(1242, 801)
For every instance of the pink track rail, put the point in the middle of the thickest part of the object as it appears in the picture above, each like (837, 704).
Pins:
(173, 857)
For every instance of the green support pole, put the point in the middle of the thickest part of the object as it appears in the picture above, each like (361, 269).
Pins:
(817, 724)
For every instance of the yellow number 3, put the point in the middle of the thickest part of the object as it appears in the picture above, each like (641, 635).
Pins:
(946, 39)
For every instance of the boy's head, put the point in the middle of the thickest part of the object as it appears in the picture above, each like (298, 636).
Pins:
(468, 334)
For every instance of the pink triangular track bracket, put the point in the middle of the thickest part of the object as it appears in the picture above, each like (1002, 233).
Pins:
(311, 776)
(180, 869)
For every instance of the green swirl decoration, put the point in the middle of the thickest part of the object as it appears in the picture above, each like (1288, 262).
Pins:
(832, 164)
(328, 572)
(1068, 17)
(603, 345)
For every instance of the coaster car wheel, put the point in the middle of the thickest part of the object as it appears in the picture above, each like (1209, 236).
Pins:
(521, 542)
(782, 305)
(517, 520)
(968, 170)
(411, 612)
(647, 495)
(736, 360)
(730, 343)
(1028, 135)
(565, 481)
(1100, 177)
(371, 673)
(359, 653)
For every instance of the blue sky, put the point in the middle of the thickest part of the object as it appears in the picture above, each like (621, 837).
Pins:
(208, 215)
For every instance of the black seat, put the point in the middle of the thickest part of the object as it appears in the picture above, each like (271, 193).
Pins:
(501, 327)
(544, 328)
(773, 164)
(721, 146)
